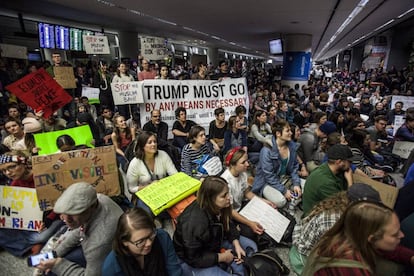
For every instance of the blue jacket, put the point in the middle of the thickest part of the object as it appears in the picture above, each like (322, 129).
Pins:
(111, 266)
(404, 133)
(268, 169)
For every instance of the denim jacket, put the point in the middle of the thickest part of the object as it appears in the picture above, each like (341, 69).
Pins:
(268, 169)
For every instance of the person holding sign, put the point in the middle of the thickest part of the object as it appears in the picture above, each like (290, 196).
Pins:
(121, 137)
(149, 164)
(102, 80)
(237, 164)
(206, 240)
(122, 75)
(141, 249)
(278, 167)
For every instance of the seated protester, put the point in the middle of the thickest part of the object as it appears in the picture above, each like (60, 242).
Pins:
(364, 234)
(271, 114)
(15, 165)
(66, 143)
(105, 125)
(193, 151)
(318, 119)
(53, 123)
(206, 240)
(397, 111)
(378, 110)
(139, 248)
(277, 169)
(379, 137)
(260, 132)
(302, 118)
(91, 219)
(217, 129)
(406, 131)
(234, 136)
(149, 164)
(15, 132)
(339, 120)
(329, 178)
(181, 128)
(409, 176)
(160, 128)
(90, 108)
(30, 126)
(322, 217)
(302, 171)
(242, 119)
(85, 118)
(237, 163)
(121, 137)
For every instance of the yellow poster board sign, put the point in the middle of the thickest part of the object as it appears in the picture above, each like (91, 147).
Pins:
(54, 173)
(166, 192)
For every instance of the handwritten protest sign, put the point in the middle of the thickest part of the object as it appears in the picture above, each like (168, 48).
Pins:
(41, 92)
(13, 51)
(20, 208)
(199, 97)
(92, 93)
(46, 141)
(127, 92)
(399, 120)
(95, 45)
(168, 191)
(64, 76)
(387, 193)
(403, 148)
(153, 48)
(54, 173)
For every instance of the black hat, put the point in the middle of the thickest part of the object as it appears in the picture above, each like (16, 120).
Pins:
(339, 151)
(360, 191)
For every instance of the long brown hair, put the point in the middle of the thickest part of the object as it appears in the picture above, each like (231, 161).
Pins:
(128, 134)
(211, 187)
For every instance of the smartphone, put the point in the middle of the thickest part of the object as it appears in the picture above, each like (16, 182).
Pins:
(35, 259)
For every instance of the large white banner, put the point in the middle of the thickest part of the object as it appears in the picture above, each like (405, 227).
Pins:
(199, 97)
(153, 48)
(96, 45)
(408, 101)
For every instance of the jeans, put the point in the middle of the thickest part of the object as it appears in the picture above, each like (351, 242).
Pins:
(248, 245)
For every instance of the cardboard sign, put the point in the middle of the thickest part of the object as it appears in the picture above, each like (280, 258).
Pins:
(13, 51)
(127, 92)
(92, 93)
(64, 76)
(399, 120)
(387, 193)
(46, 141)
(199, 97)
(96, 45)
(166, 192)
(403, 148)
(54, 173)
(153, 48)
(41, 92)
(20, 208)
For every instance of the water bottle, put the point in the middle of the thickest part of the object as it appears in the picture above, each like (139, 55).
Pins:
(292, 203)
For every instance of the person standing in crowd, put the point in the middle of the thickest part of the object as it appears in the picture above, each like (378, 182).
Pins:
(122, 75)
(224, 71)
(121, 137)
(329, 178)
(91, 219)
(206, 240)
(146, 73)
(164, 73)
(181, 127)
(277, 176)
(102, 80)
(141, 249)
(201, 72)
(354, 245)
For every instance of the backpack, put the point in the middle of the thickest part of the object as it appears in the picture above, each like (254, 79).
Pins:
(265, 263)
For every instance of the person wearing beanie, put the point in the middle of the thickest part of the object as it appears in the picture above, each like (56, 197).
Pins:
(92, 219)
(329, 178)
(321, 218)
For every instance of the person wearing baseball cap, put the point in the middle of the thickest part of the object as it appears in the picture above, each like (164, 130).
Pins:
(329, 178)
(91, 219)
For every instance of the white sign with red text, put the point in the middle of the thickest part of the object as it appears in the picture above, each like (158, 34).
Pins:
(96, 45)
(127, 92)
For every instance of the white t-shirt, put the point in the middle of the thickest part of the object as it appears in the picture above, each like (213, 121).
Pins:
(237, 187)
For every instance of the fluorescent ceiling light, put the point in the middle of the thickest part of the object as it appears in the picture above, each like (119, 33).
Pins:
(405, 13)
(383, 25)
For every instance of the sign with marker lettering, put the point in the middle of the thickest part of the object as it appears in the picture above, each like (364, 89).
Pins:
(41, 92)
(54, 173)
(19, 208)
(64, 76)
(127, 92)
(199, 97)
(153, 48)
(96, 44)
(403, 148)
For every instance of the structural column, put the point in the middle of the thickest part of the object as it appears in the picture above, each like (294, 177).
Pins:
(128, 45)
(296, 59)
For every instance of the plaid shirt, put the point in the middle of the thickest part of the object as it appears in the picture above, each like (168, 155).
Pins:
(309, 231)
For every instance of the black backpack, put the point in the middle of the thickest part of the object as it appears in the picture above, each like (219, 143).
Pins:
(265, 263)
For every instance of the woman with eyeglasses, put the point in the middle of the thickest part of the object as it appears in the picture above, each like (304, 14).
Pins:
(140, 249)
(206, 240)
(14, 165)
(149, 164)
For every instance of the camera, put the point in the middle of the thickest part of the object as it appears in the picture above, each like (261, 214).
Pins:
(35, 259)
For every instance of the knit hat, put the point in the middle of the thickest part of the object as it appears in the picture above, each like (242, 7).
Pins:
(328, 127)
(360, 191)
(339, 151)
(12, 159)
(31, 125)
(76, 199)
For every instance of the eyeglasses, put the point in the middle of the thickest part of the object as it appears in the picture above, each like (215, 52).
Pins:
(140, 243)
(9, 168)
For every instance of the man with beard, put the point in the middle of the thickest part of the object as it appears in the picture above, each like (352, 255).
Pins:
(158, 127)
(329, 178)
